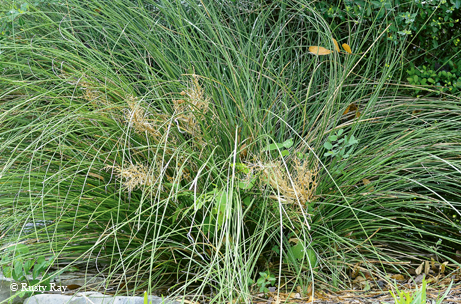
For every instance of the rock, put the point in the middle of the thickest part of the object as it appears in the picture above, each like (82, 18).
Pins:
(61, 284)
(418, 279)
(78, 279)
(93, 298)
(5, 291)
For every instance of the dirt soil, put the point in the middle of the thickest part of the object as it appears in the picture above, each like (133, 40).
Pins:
(372, 297)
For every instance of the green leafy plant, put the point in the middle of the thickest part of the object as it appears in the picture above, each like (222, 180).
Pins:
(416, 297)
(21, 267)
(282, 147)
(299, 253)
(430, 30)
(445, 80)
(265, 279)
(122, 137)
(11, 15)
(276, 150)
(339, 148)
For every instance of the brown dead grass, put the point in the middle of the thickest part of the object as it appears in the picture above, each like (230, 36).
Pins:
(296, 185)
(159, 126)
(190, 110)
(135, 176)
(144, 122)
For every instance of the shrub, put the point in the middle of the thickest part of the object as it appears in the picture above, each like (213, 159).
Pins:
(430, 31)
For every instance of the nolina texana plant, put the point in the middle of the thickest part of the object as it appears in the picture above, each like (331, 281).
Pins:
(126, 128)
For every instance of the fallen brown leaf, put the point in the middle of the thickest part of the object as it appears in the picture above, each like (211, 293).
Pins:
(419, 269)
(73, 286)
(398, 277)
(347, 48)
(359, 279)
(309, 290)
(355, 271)
(442, 267)
(336, 45)
(445, 281)
(319, 50)
(427, 267)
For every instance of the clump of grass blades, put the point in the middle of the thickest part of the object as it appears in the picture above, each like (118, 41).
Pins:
(127, 131)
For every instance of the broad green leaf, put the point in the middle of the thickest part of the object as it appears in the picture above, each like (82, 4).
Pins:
(220, 220)
(273, 147)
(246, 185)
(312, 256)
(288, 143)
(17, 270)
(40, 266)
(328, 145)
(298, 250)
(7, 271)
(242, 168)
(332, 138)
(207, 224)
(28, 265)
(352, 140)
(340, 132)
(21, 248)
(24, 7)
(221, 201)
(271, 279)
(350, 151)
(247, 201)
(457, 4)
(285, 153)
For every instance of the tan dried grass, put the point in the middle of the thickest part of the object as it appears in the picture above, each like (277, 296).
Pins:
(142, 122)
(135, 176)
(90, 88)
(297, 185)
(189, 109)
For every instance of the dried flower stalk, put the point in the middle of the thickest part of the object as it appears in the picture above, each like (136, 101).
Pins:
(300, 184)
(195, 104)
(135, 176)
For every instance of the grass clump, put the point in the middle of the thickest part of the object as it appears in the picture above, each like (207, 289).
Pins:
(180, 147)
